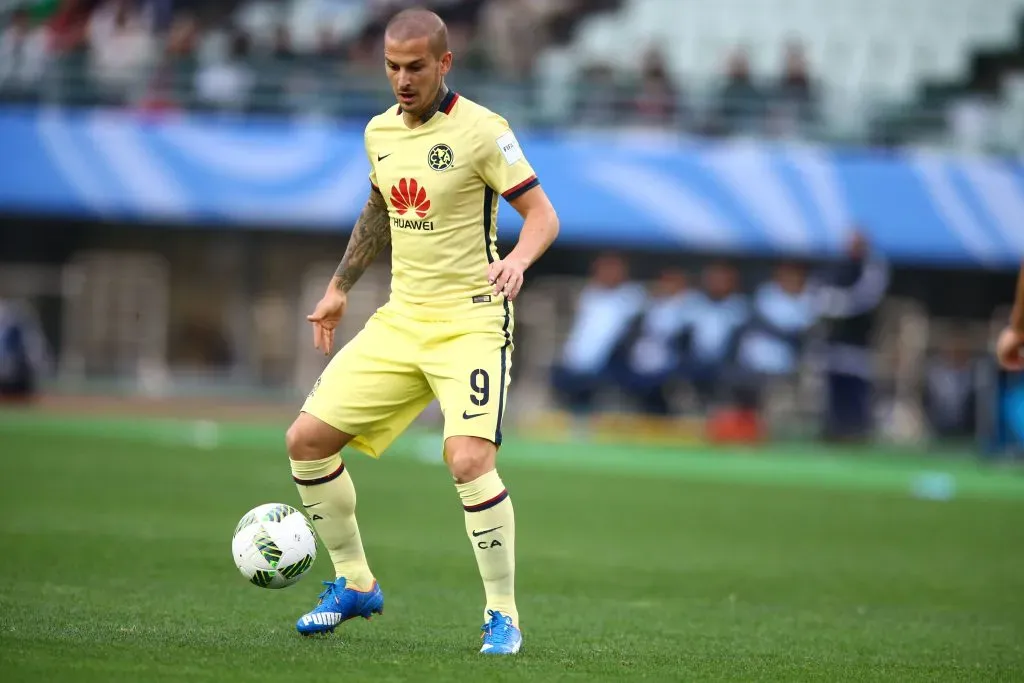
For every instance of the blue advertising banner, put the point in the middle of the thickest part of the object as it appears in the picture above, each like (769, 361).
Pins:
(625, 189)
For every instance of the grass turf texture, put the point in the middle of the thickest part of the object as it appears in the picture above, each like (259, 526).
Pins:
(641, 563)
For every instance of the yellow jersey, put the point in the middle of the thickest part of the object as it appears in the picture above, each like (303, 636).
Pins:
(442, 182)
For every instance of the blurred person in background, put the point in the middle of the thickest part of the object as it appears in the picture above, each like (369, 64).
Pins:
(949, 390)
(23, 353)
(121, 47)
(740, 105)
(515, 34)
(719, 313)
(608, 305)
(848, 297)
(656, 100)
(653, 355)
(1010, 346)
(23, 57)
(68, 26)
(226, 82)
(794, 99)
(783, 314)
(597, 96)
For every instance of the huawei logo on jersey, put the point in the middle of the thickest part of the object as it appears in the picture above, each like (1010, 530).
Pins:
(408, 195)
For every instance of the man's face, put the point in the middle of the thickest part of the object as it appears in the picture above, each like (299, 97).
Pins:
(671, 282)
(415, 72)
(719, 281)
(790, 278)
(609, 271)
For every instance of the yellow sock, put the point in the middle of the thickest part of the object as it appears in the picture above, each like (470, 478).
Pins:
(491, 525)
(329, 498)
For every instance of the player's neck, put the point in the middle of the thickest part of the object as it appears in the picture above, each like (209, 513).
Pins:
(416, 120)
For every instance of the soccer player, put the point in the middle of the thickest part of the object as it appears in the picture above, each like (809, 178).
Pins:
(438, 165)
(1010, 346)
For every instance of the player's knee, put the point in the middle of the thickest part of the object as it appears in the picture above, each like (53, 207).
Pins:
(296, 442)
(310, 439)
(469, 457)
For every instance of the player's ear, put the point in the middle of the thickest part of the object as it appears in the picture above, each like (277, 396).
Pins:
(446, 62)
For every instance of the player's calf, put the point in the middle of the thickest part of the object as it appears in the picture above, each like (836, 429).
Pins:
(329, 498)
(490, 523)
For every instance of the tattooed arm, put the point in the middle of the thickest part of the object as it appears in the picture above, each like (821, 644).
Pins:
(369, 237)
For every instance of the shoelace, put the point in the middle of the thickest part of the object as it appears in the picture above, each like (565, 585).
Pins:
(498, 628)
(327, 591)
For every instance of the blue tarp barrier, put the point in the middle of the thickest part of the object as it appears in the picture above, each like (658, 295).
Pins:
(624, 189)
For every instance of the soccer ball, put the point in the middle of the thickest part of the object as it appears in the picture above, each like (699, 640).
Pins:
(274, 545)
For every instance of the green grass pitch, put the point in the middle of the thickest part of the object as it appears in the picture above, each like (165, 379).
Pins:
(632, 564)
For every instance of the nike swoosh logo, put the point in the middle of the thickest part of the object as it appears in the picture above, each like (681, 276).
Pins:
(485, 531)
(382, 158)
(469, 416)
(311, 506)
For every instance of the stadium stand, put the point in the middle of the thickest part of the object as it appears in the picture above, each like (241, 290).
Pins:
(881, 71)
(882, 58)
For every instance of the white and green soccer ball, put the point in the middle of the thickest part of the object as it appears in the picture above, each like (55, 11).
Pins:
(274, 545)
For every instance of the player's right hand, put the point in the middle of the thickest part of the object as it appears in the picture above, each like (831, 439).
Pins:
(1010, 350)
(325, 318)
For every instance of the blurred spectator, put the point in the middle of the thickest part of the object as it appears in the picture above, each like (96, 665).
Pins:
(769, 346)
(720, 311)
(23, 353)
(226, 82)
(783, 312)
(597, 96)
(848, 298)
(656, 102)
(364, 54)
(472, 53)
(607, 306)
(741, 104)
(514, 33)
(68, 26)
(110, 17)
(121, 48)
(949, 390)
(793, 101)
(327, 44)
(654, 354)
(282, 49)
(182, 36)
(23, 56)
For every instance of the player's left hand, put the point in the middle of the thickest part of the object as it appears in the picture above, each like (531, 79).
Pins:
(506, 276)
(1010, 350)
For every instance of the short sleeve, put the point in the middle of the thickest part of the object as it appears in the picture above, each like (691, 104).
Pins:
(501, 161)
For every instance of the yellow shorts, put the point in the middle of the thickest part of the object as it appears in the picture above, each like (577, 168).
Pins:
(382, 379)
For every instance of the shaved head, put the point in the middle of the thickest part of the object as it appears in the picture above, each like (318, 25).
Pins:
(417, 23)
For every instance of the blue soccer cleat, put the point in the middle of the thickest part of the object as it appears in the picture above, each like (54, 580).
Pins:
(338, 604)
(500, 636)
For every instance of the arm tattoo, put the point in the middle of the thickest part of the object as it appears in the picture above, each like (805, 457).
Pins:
(370, 235)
